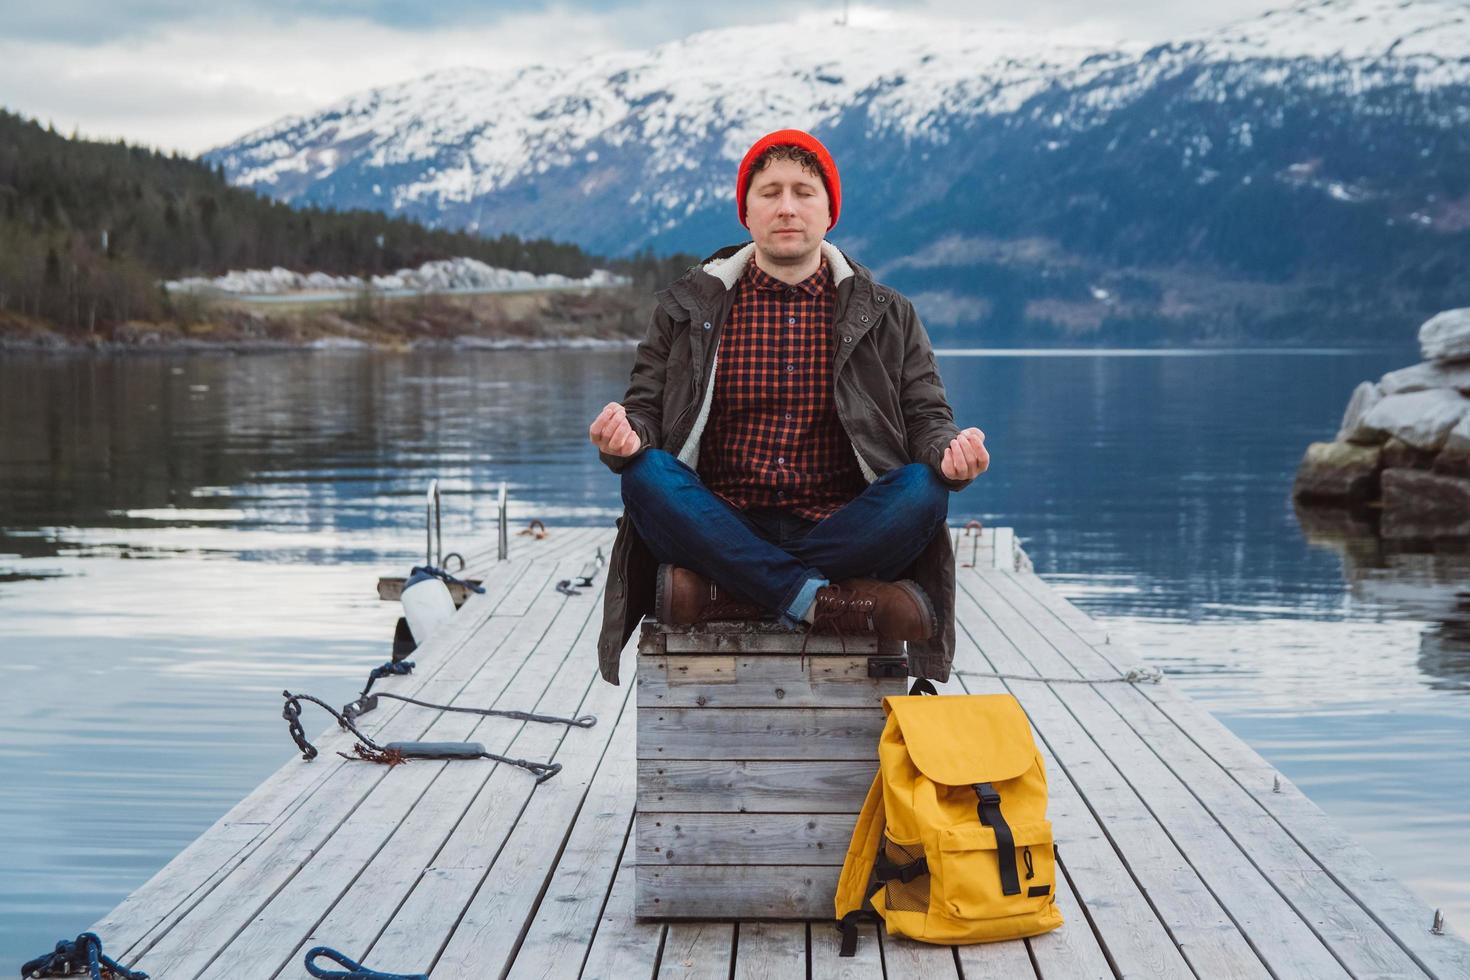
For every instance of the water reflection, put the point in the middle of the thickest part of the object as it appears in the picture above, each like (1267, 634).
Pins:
(182, 536)
(1412, 580)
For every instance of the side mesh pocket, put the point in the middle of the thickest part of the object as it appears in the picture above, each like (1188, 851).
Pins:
(905, 896)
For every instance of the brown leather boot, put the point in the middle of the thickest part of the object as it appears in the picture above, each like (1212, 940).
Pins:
(682, 596)
(867, 607)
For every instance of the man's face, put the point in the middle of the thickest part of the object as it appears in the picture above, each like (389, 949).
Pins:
(787, 211)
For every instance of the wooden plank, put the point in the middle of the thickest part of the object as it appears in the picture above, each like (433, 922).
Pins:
(560, 543)
(740, 681)
(1009, 958)
(902, 957)
(138, 922)
(698, 951)
(1344, 926)
(755, 787)
(252, 926)
(1339, 886)
(1198, 922)
(1239, 866)
(1118, 923)
(566, 542)
(531, 586)
(769, 950)
(743, 838)
(826, 945)
(485, 939)
(567, 917)
(1074, 950)
(400, 916)
(754, 733)
(624, 947)
(1003, 548)
(350, 916)
(711, 891)
(1128, 925)
(973, 550)
(787, 644)
(510, 835)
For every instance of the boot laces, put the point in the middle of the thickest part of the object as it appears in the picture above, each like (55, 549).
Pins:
(833, 610)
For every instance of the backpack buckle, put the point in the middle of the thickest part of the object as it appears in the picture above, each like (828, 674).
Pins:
(909, 872)
(987, 794)
(885, 869)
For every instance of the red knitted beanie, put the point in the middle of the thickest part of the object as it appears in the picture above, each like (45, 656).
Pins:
(790, 137)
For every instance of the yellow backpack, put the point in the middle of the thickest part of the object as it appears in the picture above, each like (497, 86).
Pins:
(954, 829)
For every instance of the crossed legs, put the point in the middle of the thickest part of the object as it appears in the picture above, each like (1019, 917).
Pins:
(876, 535)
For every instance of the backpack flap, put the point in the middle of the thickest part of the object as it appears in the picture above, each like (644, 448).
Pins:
(965, 739)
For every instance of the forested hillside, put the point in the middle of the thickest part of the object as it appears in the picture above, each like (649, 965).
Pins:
(88, 229)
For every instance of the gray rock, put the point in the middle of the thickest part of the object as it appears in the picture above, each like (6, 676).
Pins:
(1423, 419)
(1398, 454)
(1446, 336)
(1337, 472)
(1365, 396)
(1454, 458)
(1459, 438)
(1429, 374)
(1425, 506)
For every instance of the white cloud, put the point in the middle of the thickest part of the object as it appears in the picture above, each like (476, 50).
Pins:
(197, 83)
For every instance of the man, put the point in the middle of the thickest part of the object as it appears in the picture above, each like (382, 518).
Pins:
(785, 445)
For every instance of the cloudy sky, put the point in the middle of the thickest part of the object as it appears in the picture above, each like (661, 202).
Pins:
(187, 76)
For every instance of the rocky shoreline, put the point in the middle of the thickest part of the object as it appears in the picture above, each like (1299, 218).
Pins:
(1403, 448)
(60, 346)
(528, 320)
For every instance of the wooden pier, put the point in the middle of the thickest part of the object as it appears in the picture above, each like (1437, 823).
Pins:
(1182, 852)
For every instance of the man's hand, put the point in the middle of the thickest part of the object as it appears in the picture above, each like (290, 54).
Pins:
(966, 457)
(611, 433)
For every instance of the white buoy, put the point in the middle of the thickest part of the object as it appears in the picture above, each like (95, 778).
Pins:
(426, 604)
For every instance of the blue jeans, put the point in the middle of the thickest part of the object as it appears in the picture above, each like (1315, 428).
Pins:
(772, 556)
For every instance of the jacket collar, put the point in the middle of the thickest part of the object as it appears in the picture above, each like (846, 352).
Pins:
(728, 267)
(705, 287)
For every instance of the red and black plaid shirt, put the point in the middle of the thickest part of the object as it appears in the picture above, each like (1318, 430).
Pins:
(773, 438)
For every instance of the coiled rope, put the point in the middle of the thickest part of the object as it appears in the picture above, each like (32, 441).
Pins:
(354, 971)
(80, 956)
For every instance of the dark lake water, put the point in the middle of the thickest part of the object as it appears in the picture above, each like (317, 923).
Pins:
(183, 536)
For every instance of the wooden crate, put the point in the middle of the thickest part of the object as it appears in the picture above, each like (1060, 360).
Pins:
(753, 762)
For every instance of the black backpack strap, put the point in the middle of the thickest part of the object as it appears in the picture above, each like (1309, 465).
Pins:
(848, 924)
(1005, 843)
(922, 685)
(884, 870)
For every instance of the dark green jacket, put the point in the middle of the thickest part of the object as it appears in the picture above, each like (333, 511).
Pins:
(889, 398)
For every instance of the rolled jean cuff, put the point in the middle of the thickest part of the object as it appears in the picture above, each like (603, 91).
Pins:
(790, 617)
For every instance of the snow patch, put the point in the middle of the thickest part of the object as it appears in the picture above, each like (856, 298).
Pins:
(463, 274)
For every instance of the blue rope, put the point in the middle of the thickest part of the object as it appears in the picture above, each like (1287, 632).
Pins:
(72, 957)
(387, 669)
(355, 971)
(440, 573)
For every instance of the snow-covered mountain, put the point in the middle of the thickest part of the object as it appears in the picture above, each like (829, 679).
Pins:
(1262, 169)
